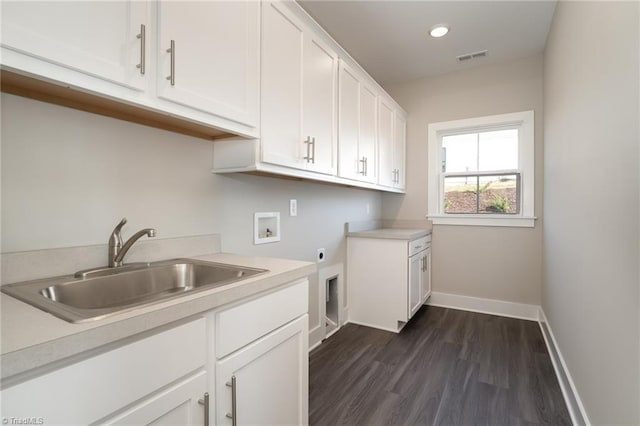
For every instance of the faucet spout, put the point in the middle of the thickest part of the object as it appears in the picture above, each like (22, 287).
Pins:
(117, 250)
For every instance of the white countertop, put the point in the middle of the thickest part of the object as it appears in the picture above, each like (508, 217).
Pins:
(32, 338)
(391, 233)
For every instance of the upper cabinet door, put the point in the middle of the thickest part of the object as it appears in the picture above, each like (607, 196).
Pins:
(208, 57)
(386, 143)
(349, 123)
(399, 150)
(320, 75)
(97, 38)
(281, 91)
(357, 127)
(367, 146)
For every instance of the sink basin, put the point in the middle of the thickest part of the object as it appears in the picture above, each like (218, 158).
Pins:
(115, 291)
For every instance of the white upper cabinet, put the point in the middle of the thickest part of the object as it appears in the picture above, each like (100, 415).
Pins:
(385, 143)
(391, 144)
(98, 39)
(357, 127)
(320, 76)
(281, 94)
(119, 49)
(298, 94)
(214, 64)
(399, 150)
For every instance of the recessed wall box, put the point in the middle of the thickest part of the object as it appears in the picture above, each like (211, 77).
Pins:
(266, 227)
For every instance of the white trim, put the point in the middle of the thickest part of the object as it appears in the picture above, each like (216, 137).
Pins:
(485, 306)
(483, 220)
(526, 155)
(571, 397)
(316, 334)
(315, 346)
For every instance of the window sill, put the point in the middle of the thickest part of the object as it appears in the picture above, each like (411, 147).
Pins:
(483, 220)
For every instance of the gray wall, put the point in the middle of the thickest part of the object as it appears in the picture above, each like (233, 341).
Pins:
(591, 212)
(487, 262)
(69, 176)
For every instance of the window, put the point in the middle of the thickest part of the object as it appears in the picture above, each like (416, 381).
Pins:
(481, 171)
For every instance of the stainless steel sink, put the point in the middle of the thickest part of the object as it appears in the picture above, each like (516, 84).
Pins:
(115, 290)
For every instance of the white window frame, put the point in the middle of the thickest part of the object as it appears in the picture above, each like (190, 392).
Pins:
(524, 121)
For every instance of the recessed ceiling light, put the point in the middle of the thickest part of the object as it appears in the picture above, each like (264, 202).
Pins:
(439, 30)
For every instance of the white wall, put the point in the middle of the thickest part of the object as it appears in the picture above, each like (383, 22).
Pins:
(69, 176)
(591, 202)
(487, 262)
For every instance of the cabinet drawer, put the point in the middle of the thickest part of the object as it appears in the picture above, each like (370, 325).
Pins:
(419, 244)
(89, 390)
(242, 324)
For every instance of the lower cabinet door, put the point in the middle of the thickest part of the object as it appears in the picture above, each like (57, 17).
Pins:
(416, 267)
(266, 382)
(177, 405)
(426, 276)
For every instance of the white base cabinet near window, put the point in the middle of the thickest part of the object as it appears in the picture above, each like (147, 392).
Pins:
(388, 280)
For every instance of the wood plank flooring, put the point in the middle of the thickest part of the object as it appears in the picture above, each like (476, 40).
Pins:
(446, 367)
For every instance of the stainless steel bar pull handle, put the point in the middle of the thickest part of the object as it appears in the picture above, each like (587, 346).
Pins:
(307, 141)
(363, 161)
(172, 51)
(143, 42)
(233, 415)
(205, 401)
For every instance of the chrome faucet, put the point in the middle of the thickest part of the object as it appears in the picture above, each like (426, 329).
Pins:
(117, 249)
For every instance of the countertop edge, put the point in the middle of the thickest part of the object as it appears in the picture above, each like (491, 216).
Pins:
(392, 234)
(41, 357)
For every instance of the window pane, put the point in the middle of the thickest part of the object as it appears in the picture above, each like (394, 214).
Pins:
(460, 153)
(461, 194)
(499, 195)
(498, 150)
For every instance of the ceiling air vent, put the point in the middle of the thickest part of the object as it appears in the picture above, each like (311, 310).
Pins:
(469, 56)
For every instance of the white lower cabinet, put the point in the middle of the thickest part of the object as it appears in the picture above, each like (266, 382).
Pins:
(261, 367)
(388, 280)
(268, 378)
(126, 378)
(163, 378)
(180, 404)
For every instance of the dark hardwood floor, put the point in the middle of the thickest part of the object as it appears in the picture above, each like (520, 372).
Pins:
(446, 367)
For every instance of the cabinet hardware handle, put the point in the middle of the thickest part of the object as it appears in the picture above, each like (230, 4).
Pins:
(233, 415)
(313, 150)
(205, 401)
(307, 141)
(172, 51)
(363, 161)
(422, 263)
(143, 42)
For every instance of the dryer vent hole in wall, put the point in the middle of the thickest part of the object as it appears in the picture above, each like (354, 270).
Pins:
(331, 300)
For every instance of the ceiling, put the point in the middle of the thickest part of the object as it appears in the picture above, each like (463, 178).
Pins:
(390, 39)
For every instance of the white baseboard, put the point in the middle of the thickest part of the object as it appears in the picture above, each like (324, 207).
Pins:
(316, 335)
(568, 387)
(485, 306)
